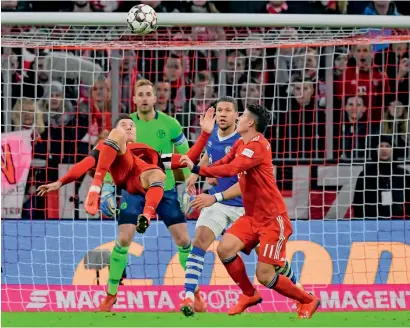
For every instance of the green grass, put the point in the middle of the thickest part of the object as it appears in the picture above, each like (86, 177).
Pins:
(125, 319)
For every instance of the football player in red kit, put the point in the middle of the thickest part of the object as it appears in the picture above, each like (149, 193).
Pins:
(265, 221)
(134, 166)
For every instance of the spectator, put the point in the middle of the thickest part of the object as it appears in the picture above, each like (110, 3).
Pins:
(383, 188)
(57, 110)
(340, 58)
(396, 124)
(180, 85)
(158, 5)
(303, 124)
(128, 64)
(26, 115)
(163, 94)
(277, 7)
(200, 6)
(203, 98)
(384, 7)
(11, 73)
(249, 93)
(363, 79)
(235, 68)
(98, 110)
(350, 129)
(307, 63)
(394, 62)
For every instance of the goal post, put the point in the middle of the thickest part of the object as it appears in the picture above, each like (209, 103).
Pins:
(336, 87)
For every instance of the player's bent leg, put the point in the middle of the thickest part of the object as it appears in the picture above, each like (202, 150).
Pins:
(228, 249)
(267, 276)
(153, 182)
(169, 211)
(285, 270)
(113, 145)
(180, 235)
(118, 262)
(207, 228)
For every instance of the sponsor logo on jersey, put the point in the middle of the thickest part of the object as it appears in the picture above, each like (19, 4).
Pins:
(161, 134)
(227, 149)
(247, 152)
(124, 205)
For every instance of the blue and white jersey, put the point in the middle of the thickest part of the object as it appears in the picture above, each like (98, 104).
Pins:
(216, 148)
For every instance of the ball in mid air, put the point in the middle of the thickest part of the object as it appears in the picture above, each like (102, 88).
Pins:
(142, 19)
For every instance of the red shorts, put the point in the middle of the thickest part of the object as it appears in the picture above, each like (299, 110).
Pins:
(272, 237)
(127, 169)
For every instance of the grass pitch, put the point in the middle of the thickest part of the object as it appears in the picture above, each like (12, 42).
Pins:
(126, 319)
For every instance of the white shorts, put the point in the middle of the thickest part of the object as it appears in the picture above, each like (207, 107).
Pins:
(218, 216)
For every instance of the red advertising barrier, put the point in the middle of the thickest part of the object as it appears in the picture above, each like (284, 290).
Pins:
(219, 298)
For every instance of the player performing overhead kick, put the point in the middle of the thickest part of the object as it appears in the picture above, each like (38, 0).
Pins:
(222, 206)
(265, 221)
(136, 168)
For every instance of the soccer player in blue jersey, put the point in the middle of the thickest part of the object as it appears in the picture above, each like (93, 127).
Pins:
(221, 207)
(214, 219)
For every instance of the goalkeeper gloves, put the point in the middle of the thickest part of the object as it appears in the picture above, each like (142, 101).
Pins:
(108, 203)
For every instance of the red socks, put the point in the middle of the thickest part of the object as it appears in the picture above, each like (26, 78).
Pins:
(286, 287)
(237, 271)
(108, 153)
(153, 197)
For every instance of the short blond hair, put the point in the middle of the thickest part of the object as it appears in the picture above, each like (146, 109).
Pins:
(143, 82)
(17, 110)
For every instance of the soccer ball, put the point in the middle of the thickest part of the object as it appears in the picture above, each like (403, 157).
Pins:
(142, 19)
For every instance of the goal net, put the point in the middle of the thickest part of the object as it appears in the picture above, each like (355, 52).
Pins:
(339, 99)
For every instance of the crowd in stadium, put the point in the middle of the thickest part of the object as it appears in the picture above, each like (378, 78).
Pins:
(336, 104)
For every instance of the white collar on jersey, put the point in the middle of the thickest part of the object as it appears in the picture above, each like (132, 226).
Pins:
(226, 137)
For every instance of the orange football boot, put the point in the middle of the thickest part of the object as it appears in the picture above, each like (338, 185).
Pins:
(108, 302)
(307, 310)
(199, 303)
(187, 307)
(244, 302)
(92, 202)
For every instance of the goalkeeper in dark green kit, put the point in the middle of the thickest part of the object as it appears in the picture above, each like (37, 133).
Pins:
(164, 134)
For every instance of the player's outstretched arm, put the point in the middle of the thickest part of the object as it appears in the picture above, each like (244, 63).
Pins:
(250, 157)
(172, 161)
(205, 200)
(76, 172)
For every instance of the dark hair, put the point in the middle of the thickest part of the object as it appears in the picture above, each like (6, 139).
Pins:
(228, 100)
(122, 117)
(262, 116)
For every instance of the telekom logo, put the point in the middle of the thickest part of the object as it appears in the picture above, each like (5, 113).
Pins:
(38, 299)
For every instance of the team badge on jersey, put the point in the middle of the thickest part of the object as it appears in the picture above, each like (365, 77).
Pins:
(161, 134)
(227, 149)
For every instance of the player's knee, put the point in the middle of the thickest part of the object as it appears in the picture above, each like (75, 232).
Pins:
(126, 234)
(180, 235)
(156, 176)
(224, 250)
(203, 237)
(117, 135)
(124, 240)
(265, 274)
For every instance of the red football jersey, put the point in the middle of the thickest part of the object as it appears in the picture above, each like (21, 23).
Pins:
(253, 164)
(371, 85)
